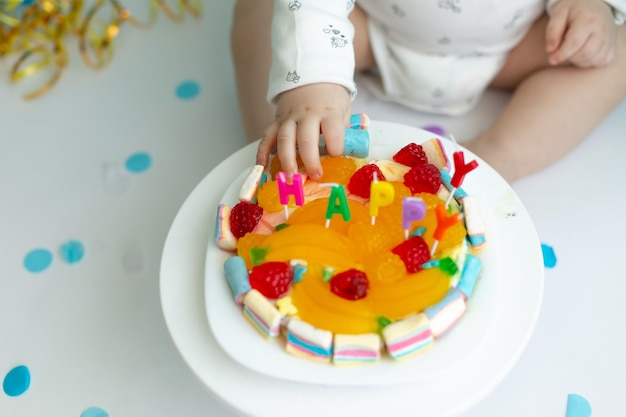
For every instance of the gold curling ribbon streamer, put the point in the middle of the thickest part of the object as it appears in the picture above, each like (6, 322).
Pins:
(54, 56)
(39, 28)
(102, 44)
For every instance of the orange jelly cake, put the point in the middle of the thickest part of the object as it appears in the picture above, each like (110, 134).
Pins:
(376, 257)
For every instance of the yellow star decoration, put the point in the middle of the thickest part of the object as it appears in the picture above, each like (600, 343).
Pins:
(286, 307)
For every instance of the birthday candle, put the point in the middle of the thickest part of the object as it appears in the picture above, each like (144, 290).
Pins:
(285, 190)
(444, 222)
(382, 194)
(337, 203)
(413, 209)
(460, 170)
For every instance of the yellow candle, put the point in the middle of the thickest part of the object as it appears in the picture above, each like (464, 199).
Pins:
(382, 194)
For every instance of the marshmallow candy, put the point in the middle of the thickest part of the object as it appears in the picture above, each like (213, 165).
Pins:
(407, 337)
(350, 349)
(356, 143)
(473, 222)
(445, 314)
(237, 277)
(262, 314)
(469, 276)
(459, 193)
(435, 153)
(359, 121)
(250, 185)
(308, 342)
(224, 238)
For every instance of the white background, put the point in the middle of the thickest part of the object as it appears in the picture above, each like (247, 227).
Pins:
(93, 333)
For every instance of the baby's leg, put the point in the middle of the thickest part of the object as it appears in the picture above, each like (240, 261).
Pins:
(552, 110)
(251, 50)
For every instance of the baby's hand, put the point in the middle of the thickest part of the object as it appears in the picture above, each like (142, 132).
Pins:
(301, 115)
(581, 32)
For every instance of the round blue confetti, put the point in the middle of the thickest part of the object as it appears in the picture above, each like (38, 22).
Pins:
(94, 412)
(549, 257)
(72, 251)
(577, 406)
(139, 162)
(187, 90)
(17, 381)
(37, 260)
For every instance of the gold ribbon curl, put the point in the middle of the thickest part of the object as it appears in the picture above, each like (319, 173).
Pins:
(37, 32)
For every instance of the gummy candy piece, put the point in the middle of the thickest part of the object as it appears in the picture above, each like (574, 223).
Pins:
(448, 266)
(383, 322)
(257, 255)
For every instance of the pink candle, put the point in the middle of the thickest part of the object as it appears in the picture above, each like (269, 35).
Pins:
(285, 189)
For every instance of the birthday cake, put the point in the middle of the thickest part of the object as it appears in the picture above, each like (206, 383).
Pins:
(376, 257)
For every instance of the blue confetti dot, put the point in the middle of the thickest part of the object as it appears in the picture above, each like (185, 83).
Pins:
(37, 260)
(549, 257)
(138, 162)
(577, 406)
(17, 381)
(94, 412)
(72, 251)
(187, 90)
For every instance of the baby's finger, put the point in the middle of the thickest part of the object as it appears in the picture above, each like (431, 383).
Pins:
(266, 145)
(308, 145)
(591, 54)
(333, 129)
(286, 143)
(555, 30)
(575, 38)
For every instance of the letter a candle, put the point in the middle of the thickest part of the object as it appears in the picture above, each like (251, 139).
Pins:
(337, 203)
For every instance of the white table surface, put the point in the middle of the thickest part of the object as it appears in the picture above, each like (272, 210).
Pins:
(93, 333)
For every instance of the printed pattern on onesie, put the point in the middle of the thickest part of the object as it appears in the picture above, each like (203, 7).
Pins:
(439, 55)
(311, 44)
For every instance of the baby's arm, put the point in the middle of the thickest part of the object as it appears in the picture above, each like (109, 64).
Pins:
(311, 81)
(581, 32)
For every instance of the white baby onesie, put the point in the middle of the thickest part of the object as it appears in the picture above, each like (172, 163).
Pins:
(432, 55)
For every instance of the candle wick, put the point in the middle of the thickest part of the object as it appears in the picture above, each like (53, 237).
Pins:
(456, 144)
(452, 191)
(432, 250)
